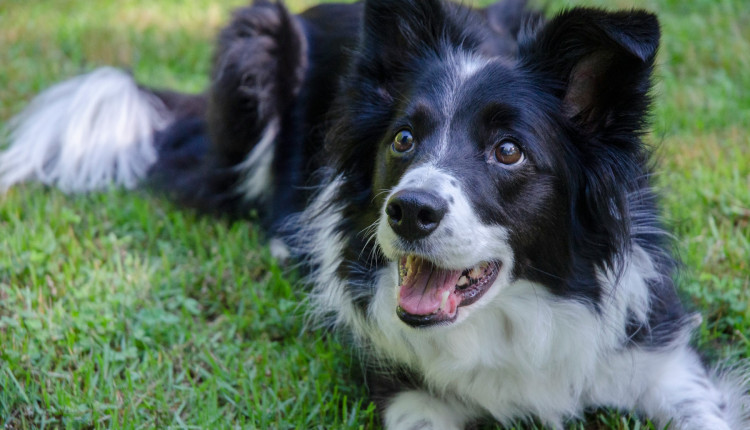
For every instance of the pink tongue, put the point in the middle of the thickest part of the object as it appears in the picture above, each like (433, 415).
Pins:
(423, 288)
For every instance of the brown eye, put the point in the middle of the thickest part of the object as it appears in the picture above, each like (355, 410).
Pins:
(403, 142)
(508, 153)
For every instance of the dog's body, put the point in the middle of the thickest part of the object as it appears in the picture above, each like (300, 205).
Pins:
(471, 197)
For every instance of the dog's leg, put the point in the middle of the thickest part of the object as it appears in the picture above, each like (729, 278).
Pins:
(258, 69)
(419, 410)
(683, 395)
(404, 404)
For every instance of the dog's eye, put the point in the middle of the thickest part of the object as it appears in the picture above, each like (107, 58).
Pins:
(404, 141)
(509, 153)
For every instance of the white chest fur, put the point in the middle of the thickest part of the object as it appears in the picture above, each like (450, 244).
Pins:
(524, 351)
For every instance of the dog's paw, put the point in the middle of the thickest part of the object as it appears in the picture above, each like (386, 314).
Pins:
(418, 410)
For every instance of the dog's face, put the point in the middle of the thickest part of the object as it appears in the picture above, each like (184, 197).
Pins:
(481, 170)
(468, 182)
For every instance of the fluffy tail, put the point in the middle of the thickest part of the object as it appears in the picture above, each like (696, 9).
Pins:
(85, 134)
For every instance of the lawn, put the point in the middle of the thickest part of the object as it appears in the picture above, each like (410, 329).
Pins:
(119, 310)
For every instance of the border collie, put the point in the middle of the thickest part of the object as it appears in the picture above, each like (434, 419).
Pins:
(468, 189)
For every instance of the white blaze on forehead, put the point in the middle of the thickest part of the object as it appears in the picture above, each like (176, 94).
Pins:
(427, 176)
(464, 68)
(470, 66)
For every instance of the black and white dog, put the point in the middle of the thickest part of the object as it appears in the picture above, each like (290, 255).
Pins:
(468, 188)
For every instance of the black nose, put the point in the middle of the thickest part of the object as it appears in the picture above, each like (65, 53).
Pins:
(414, 214)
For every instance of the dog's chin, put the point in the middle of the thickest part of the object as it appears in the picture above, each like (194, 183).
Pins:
(430, 295)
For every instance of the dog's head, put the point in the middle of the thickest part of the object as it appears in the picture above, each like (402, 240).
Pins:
(478, 169)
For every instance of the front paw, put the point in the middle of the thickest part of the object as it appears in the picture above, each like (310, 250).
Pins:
(419, 410)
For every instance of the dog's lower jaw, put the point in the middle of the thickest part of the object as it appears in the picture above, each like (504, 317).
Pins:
(430, 295)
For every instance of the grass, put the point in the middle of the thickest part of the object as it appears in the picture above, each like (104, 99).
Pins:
(118, 310)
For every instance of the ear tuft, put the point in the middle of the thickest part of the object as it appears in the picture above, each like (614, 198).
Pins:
(600, 61)
(398, 31)
(391, 25)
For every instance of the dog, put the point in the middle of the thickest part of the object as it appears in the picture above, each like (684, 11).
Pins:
(467, 189)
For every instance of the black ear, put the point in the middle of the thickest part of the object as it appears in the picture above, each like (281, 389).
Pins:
(505, 18)
(402, 24)
(396, 31)
(600, 63)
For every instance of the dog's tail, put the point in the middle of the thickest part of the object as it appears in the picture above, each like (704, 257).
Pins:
(88, 133)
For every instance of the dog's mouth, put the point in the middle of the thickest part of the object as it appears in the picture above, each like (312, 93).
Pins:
(430, 295)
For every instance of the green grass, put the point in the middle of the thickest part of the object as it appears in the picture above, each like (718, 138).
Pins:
(119, 310)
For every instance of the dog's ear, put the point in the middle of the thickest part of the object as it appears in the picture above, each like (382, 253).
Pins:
(599, 64)
(395, 32)
(401, 25)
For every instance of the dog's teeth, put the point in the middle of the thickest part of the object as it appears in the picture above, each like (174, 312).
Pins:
(476, 272)
(462, 281)
(444, 300)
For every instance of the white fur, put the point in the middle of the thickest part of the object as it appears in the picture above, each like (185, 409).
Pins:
(417, 410)
(733, 381)
(679, 391)
(84, 134)
(520, 355)
(465, 67)
(256, 169)
(279, 249)
(323, 245)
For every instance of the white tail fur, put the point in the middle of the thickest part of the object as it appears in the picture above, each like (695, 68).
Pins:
(84, 134)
